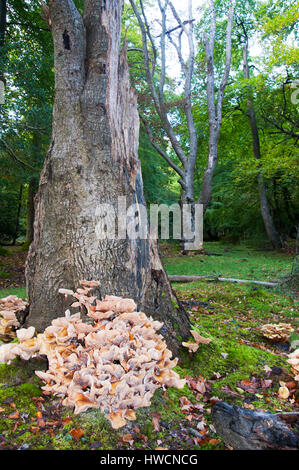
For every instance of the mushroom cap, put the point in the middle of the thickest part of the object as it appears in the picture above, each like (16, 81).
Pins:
(113, 363)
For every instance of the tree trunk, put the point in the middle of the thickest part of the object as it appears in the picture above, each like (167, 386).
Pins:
(264, 203)
(93, 159)
(3, 24)
(206, 188)
(32, 188)
(18, 215)
(266, 214)
(215, 105)
(187, 198)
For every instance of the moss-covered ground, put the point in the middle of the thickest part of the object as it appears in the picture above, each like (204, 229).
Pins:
(239, 366)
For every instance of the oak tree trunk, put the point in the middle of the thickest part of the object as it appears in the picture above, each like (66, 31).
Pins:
(93, 160)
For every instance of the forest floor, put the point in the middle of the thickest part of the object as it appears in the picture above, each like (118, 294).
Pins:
(239, 365)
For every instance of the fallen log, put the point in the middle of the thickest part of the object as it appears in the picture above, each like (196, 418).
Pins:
(176, 278)
(245, 429)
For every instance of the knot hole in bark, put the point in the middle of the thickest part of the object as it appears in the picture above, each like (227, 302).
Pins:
(157, 275)
(66, 40)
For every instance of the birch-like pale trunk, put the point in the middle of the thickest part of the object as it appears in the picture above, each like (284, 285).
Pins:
(214, 103)
(187, 161)
(93, 159)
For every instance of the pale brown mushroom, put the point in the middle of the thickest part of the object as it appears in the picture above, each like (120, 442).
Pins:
(114, 364)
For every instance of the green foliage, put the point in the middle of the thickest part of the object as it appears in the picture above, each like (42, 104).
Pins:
(26, 62)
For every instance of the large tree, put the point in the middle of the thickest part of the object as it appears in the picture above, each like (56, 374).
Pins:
(93, 160)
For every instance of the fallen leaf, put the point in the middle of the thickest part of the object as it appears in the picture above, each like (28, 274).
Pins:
(128, 438)
(34, 429)
(14, 415)
(201, 426)
(156, 421)
(214, 442)
(66, 421)
(76, 433)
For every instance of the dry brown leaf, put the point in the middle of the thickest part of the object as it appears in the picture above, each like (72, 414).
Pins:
(76, 433)
(156, 421)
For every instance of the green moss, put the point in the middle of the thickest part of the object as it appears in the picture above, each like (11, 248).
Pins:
(231, 320)
(20, 371)
(96, 428)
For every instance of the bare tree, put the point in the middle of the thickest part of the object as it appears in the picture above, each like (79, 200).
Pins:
(187, 162)
(93, 160)
(215, 101)
(183, 29)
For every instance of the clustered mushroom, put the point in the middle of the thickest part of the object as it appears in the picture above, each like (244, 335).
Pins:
(115, 363)
(294, 361)
(279, 332)
(8, 320)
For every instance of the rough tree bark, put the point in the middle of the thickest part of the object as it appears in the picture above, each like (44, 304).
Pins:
(93, 159)
(245, 429)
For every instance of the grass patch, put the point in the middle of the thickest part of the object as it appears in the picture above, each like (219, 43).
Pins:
(229, 314)
(241, 262)
(18, 291)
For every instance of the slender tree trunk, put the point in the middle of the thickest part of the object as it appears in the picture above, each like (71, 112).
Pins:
(187, 198)
(93, 159)
(3, 25)
(264, 203)
(215, 105)
(206, 188)
(18, 215)
(32, 188)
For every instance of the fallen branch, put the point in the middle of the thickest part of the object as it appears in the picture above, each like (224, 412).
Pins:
(175, 278)
(245, 429)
